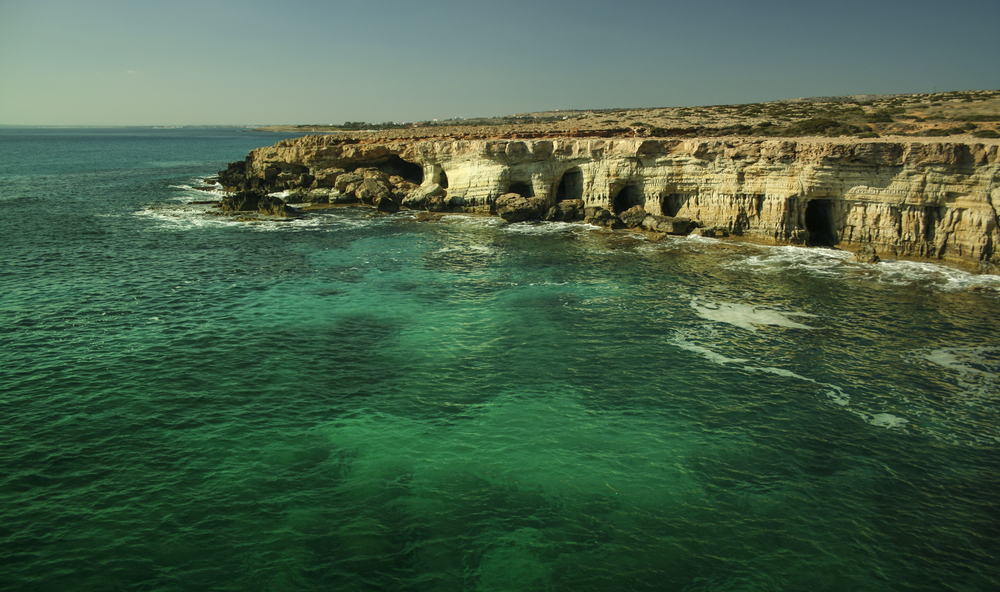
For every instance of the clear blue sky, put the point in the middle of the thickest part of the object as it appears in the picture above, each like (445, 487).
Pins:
(111, 62)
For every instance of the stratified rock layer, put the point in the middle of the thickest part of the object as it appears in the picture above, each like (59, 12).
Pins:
(915, 199)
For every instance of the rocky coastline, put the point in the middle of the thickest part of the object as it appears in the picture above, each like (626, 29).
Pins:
(905, 198)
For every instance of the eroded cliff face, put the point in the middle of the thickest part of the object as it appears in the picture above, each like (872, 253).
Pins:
(916, 199)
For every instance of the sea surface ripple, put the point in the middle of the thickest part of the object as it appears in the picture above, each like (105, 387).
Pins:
(362, 402)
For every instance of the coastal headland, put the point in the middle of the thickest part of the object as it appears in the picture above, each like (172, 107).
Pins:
(915, 196)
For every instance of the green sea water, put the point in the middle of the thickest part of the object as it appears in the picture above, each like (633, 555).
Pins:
(367, 402)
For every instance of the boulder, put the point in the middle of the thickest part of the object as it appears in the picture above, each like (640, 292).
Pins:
(633, 217)
(513, 207)
(711, 231)
(403, 190)
(438, 203)
(417, 198)
(566, 210)
(572, 208)
(373, 189)
(667, 224)
(270, 205)
(866, 254)
(346, 179)
(387, 204)
(599, 216)
(327, 177)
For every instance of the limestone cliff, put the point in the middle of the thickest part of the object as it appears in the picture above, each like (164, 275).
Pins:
(908, 198)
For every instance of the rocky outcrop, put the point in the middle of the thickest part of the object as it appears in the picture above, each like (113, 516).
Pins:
(257, 201)
(866, 254)
(513, 207)
(907, 198)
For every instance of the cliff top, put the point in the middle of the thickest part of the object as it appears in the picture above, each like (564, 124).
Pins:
(959, 116)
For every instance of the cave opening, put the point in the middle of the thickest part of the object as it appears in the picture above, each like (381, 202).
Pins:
(522, 189)
(672, 204)
(819, 223)
(411, 171)
(442, 179)
(570, 185)
(629, 196)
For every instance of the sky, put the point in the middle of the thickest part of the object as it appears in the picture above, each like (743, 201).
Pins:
(254, 62)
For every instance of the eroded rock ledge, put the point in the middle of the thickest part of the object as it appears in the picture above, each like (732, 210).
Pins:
(908, 198)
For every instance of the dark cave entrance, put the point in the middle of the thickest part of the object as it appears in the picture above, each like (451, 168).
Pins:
(411, 171)
(672, 204)
(522, 189)
(570, 185)
(629, 196)
(819, 223)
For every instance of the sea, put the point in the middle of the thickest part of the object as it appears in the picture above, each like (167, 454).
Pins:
(358, 402)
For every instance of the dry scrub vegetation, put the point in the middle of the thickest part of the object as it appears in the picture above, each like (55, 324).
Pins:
(967, 115)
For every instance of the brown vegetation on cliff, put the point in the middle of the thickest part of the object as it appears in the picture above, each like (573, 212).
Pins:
(961, 115)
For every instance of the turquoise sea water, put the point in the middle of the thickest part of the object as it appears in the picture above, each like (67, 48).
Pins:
(359, 402)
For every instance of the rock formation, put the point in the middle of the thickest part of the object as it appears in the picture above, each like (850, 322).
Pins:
(907, 198)
(253, 200)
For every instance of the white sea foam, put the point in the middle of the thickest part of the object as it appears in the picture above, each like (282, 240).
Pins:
(480, 249)
(837, 263)
(947, 279)
(976, 371)
(823, 262)
(781, 372)
(541, 227)
(183, 217)
(471, 220)
(746, 316)
(834, 393)
(274, 225)
(953, 359)
(196, 190)
(188, 217)
(697, 238)
(711, 356)
(838, 396)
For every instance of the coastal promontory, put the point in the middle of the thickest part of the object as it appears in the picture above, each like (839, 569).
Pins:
(903, 196)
